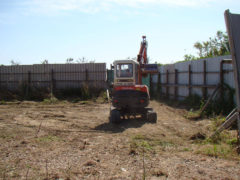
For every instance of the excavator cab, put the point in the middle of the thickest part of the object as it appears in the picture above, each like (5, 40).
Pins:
(125, 73)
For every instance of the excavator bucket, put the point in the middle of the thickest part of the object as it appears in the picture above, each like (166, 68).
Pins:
(149, 69)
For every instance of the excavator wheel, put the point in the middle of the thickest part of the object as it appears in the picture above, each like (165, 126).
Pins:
(115, 116)
(152, 116)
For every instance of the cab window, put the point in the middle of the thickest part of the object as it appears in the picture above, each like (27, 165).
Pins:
(124, 70)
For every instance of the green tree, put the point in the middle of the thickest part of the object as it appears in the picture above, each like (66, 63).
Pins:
(82, 60)
(215, 46)
(189, 57)
(199, 47)
(44, 61)
(14, 63)
(85, 60)
(69, 60)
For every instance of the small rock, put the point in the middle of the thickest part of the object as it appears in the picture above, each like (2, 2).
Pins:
(123, 169)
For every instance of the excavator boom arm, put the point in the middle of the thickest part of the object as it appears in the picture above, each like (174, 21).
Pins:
(142, 56)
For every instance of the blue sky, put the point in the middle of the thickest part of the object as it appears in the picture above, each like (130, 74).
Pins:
(105, 30)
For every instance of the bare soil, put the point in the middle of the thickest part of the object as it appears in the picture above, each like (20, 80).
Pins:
(75, 141)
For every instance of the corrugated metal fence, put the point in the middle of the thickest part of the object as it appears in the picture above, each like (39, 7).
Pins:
(58, 76)
(199, 77)
(178, 80)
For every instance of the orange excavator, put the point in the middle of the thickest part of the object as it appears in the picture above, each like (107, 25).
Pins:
(130, 97)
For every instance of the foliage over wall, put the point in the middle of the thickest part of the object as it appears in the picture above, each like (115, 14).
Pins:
(215, 46)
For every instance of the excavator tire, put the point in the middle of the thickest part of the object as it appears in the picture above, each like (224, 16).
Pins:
(152, 117)
(115, 116)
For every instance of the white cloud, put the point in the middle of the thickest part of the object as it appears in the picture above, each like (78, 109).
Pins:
(93, 6)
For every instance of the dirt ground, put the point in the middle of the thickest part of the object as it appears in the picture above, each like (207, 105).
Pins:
(75, 141)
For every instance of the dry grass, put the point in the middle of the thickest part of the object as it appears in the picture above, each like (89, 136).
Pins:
(75, 141)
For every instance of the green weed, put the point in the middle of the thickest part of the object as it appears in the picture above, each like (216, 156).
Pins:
(47, 139)
(186, 149)
(51, 100)
(2, 102)
(139, 142)
(221, 145)
(221, 104)
(232, 142)
(193, 115)
(193, 101)
(216, 150)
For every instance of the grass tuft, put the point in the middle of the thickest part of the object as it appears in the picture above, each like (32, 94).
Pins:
(139, 142)
(216, 150)
(51, 100)
(48, 138)
(2, 102)
(193, 115)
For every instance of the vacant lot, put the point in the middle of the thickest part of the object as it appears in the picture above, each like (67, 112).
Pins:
(75, 141)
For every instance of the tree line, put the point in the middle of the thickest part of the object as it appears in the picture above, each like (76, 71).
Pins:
(215, 46)
(68, 61)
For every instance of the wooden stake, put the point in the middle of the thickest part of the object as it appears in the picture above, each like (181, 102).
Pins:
(210, 98)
